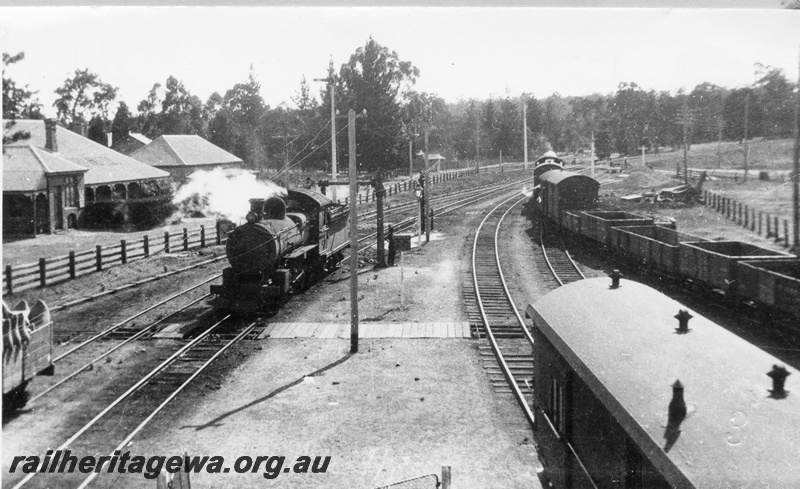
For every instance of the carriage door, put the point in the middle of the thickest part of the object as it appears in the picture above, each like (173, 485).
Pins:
(59, 204)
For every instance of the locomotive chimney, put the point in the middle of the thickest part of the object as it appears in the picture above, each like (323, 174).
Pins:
(257, 206)
(50, 142)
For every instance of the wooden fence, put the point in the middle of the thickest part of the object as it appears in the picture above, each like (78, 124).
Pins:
(49, 271)
(761, 222)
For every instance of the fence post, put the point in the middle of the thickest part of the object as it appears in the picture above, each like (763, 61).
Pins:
(9, 284)
(72, 264)
(760, 219)
(42, 277)
(777, 230)
(785, 233)
(123, 252)
(146, 245)
(185, 240)
(166, 241)
(746, 216)
(219, 235)
(445, 477)
(739, 219)
(202, 236)
(99, 257)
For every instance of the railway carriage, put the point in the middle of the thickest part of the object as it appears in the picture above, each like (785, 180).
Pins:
(286, 244)
(563, 191)
(27, 349)
(625, 396)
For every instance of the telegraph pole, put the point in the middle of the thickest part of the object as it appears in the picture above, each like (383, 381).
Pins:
(332, 88)
(477, 140)
(426, 193)
(746, 110)
(685, 117)
(351, 135)
(410, 157)
(592, 157)
(796, 176)
(525, 132)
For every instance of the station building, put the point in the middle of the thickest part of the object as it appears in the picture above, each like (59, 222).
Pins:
(57, 179)
(182, 155)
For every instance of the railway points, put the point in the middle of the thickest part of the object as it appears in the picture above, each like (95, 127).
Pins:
(435, 324)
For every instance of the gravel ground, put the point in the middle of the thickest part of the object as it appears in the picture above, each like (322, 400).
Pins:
(368, 412)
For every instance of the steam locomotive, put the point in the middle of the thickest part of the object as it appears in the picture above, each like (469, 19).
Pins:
(286, 244)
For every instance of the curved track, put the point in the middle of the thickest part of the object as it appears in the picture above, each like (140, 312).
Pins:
(508, 338)
(557, 258)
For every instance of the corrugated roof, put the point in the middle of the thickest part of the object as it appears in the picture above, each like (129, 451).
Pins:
(623, 343)
(25, 168)
(183, 150)
(104, 165)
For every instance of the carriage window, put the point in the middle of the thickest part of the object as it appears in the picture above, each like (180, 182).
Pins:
(557, 405)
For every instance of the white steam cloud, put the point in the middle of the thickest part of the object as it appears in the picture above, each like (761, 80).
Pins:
(222, 193)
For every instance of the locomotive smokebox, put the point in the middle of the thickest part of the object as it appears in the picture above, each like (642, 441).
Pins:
(274, 209)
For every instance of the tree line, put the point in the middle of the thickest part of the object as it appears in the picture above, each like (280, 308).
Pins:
(375, 81)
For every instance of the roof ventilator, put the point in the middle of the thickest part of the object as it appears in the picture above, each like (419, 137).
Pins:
(677, 406)
(778, 375)
(615, 276)
(683, 318)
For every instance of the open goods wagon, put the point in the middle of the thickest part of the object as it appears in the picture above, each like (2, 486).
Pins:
(775, 283)
(713, 263)
(652, 246)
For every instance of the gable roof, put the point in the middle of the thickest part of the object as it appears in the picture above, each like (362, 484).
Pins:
(140, 137)
(182, 150)
(103, 165)
(25, 168)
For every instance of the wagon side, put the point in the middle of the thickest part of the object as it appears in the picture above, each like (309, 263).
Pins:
(597, 225)
(651, 246)
(775, 283)
(713, 263)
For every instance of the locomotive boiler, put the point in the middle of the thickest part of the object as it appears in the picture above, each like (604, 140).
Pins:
(285, 245)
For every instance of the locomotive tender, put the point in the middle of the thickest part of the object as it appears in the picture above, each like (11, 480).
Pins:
(626, 396)
(286, 244)
(740, 272)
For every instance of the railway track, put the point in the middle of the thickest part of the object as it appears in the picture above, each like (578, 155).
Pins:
(119, 331)
(558, 260)
(113, 427)
(506, 345)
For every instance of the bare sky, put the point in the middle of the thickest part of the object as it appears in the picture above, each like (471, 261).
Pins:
(461, 52)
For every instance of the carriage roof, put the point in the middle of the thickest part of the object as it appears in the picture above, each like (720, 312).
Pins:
(623, 343)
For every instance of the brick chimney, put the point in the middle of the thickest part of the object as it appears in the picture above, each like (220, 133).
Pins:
(79, 126)
(50, 142)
